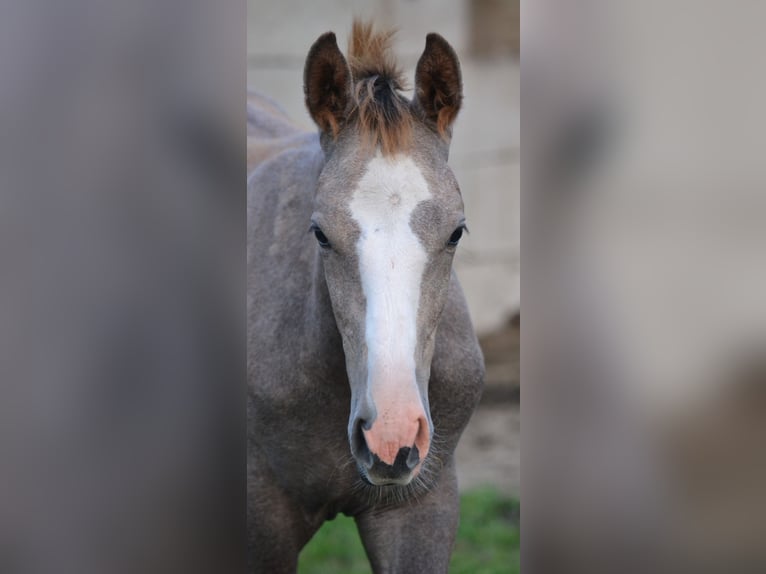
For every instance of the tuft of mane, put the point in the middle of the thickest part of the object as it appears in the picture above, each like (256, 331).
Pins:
(369, 54)
(383, 113)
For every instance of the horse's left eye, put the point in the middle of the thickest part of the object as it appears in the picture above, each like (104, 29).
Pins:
(456, 235)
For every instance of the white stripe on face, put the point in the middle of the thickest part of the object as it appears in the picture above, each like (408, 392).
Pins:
(391, 264)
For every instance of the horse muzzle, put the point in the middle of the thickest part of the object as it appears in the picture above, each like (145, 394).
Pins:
(391, 448)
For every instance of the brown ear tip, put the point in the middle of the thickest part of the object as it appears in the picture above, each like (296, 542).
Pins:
(433, 38)
(326, 39)
(323, 48)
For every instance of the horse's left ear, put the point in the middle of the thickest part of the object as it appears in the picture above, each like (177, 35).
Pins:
(439, 84)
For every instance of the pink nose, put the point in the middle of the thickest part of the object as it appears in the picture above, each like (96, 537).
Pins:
(393, 431)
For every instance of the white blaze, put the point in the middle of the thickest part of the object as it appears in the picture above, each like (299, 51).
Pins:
(391, 262)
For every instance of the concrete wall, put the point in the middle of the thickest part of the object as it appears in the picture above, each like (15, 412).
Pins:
(485, 149)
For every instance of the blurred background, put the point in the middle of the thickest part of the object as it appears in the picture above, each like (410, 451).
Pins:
(485, 158)
(645, 286)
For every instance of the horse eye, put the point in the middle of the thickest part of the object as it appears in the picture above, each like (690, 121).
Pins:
(321, 238)
(456, 235)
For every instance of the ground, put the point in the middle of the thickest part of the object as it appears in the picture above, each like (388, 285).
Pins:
(488, 453)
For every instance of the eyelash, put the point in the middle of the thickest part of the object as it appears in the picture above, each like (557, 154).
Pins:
(457, 235)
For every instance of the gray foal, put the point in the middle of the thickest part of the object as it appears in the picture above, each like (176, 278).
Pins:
(363, 365)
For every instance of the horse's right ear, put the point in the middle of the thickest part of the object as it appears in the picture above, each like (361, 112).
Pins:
(327, 84)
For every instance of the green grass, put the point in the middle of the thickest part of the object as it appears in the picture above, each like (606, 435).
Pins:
(335, 549)
(488, 536)
(487, 540)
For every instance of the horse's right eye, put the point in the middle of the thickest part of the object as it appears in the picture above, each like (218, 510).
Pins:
(321, 238)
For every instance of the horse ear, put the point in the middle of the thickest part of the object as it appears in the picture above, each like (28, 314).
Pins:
(438, 83)
(327, 84)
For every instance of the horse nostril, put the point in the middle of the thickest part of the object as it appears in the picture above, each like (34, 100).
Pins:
(359, 446)
(413, 458)
(406, 459)
(402, 463)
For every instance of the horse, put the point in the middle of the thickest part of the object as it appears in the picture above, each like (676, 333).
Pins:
(363, 365)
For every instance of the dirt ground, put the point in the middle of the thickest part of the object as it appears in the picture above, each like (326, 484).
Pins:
(489, 451)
